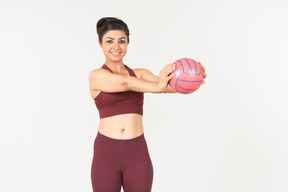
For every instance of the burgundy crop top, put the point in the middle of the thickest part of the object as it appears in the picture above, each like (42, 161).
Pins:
(110, 104)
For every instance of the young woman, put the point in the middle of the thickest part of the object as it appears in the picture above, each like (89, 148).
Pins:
(121, 154)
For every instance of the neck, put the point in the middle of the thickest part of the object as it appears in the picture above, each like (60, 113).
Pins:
(115, 66)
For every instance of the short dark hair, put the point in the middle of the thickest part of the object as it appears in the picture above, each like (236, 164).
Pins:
(111, 23)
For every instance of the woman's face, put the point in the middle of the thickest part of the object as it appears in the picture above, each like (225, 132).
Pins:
(114, 45)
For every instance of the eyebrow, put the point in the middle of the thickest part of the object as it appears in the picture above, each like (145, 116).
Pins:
(113, 38)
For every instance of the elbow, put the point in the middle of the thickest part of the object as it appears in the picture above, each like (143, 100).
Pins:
(128, 83)
(126, 87)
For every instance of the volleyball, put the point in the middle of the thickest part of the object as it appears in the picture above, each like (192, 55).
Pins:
(188, 76)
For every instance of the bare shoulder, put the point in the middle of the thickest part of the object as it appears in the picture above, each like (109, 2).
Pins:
(96, 72)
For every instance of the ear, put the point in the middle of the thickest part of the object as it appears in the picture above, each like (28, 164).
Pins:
(99, 43)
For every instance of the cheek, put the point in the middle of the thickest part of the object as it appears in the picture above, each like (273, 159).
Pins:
(106, 49)
(124, 48)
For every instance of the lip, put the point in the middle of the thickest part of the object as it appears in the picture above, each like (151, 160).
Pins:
(116, 55)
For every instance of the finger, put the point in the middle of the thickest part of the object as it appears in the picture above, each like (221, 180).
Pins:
(171, 73)
(167, 66)
(203, 68)
(169, 69)
(170, 64)
(171, 76)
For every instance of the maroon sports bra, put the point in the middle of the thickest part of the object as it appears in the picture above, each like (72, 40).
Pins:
(110, 104)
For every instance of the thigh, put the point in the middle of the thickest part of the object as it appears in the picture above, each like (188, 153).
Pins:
(105, 174)
(138, 172)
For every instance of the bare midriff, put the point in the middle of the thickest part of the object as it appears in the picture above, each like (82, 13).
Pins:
(123, 126)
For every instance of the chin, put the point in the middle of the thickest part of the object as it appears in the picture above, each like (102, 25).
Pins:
(116, 60)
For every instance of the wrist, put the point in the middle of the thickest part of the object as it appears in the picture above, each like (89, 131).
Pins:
(161, 88)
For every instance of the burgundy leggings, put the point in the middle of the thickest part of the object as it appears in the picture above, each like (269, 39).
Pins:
(121, 162)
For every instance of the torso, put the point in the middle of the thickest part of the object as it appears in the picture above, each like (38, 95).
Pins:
(123, 126)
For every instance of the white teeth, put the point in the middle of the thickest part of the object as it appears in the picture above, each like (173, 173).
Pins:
(115, 53)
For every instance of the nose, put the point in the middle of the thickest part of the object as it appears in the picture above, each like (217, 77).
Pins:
(116, 46)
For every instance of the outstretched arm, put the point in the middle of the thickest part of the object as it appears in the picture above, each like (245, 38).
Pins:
(149, 76)
(103, 80)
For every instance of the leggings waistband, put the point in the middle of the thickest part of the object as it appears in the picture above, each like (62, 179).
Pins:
(105, 139)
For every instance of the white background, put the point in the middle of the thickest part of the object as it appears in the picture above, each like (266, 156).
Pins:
(229, 136)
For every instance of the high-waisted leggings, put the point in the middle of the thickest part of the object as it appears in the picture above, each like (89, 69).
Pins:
(121, 162)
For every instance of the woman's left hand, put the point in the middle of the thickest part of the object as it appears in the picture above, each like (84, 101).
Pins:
(204, 70)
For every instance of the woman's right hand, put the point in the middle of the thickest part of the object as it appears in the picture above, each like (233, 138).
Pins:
(164, 76)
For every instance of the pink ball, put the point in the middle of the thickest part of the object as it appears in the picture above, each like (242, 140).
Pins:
(189, 76)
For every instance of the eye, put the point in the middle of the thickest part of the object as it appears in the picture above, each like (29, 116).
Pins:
(110, 41)
(122, 41)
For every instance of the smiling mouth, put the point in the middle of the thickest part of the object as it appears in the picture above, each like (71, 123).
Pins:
(115, 54)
